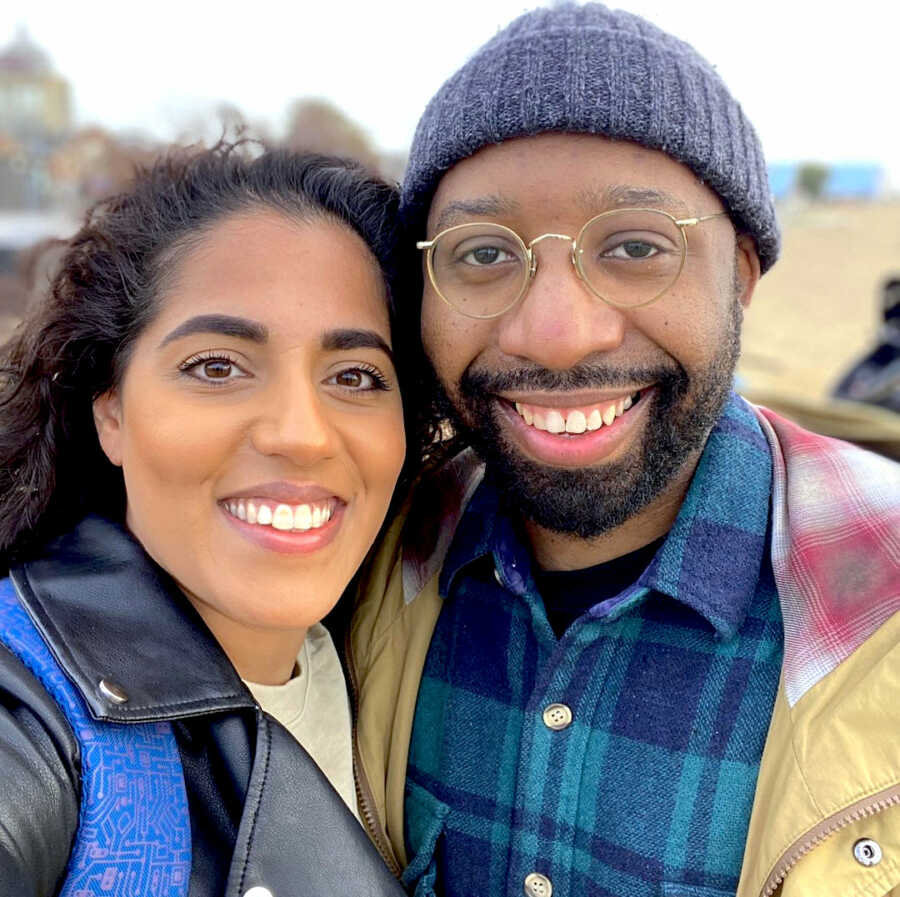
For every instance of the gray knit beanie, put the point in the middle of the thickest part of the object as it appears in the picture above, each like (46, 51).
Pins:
(592, 70)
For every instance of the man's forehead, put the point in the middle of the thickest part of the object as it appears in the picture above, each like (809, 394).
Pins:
(590, 198)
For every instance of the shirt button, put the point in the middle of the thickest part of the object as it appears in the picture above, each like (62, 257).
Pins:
(258, 891)
(557, 716)
(867, 852)
(537, 885)
(499, 578)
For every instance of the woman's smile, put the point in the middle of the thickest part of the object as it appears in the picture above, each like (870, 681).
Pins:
(284, 517)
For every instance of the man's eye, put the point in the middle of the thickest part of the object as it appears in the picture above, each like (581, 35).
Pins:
(484, 256)
(633, 249)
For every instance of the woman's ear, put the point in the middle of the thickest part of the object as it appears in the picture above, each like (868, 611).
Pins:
(108, 421)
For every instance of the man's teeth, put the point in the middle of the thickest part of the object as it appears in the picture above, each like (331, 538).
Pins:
(281, 516)
(553, 421)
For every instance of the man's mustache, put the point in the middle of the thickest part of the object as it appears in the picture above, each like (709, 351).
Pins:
(476, 382)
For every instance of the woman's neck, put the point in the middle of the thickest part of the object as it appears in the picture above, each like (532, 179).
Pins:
(263, 655)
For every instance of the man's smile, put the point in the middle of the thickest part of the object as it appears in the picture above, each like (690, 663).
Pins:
(568, 435)
(560, 419)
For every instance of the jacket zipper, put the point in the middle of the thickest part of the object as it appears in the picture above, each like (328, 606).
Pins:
(860, 810)
(365, 800)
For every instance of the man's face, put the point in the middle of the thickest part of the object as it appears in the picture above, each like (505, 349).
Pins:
(654, 378)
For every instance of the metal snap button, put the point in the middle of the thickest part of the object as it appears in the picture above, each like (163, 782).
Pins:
(537, 885)
(113, 692)
(557, 716)
(867, 852)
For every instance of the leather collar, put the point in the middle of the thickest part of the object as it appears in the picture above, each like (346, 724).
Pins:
(111, 615)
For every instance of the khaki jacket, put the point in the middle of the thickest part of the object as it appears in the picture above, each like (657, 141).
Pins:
(828, 796)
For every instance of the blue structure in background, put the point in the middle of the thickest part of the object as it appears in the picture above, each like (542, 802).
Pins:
(782, 179)
(846, 180)
(854, 181)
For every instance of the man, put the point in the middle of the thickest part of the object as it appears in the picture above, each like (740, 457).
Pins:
(649, 645)
(875, 378)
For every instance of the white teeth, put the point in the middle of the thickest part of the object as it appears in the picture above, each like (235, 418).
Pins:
(302, 517)
(283, 517)
(555, 422)
(552, 421)
(576, 422)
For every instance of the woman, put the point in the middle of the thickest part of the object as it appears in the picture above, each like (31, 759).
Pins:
(200, 432)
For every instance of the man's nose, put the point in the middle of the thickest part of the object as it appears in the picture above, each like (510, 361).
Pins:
(294, 421)
(559, 321)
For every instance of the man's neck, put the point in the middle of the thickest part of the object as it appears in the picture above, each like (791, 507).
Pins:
(561, 551)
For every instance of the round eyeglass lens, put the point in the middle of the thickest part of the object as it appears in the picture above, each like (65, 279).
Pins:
(629, 257)
(479, 269)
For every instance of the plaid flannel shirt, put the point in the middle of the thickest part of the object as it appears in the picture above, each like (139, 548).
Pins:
(670, 686)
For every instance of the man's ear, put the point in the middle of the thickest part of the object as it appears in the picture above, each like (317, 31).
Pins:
(108, 421)
(747, 268)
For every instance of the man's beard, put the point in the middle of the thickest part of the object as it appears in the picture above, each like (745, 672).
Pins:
(588, 502)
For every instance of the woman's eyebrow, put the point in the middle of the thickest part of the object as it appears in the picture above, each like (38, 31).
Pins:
(226, 325)
(355, 339)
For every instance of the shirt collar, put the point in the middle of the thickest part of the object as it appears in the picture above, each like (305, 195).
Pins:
(711, 558)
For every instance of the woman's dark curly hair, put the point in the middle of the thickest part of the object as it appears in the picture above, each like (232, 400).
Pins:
(75, 344)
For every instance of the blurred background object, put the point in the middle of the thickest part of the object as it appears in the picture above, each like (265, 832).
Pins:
(875, 378)
(89, 90)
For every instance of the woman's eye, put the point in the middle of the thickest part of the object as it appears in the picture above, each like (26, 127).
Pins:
(213, 370)
(359, 380)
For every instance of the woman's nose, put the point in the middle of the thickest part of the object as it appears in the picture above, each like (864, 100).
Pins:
(294, 421)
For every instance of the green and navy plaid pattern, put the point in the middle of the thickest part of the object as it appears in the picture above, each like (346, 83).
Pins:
(648, 792)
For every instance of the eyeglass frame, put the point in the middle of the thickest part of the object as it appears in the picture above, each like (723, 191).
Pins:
(531, 257)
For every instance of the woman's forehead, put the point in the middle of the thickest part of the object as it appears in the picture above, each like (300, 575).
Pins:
(284, 273)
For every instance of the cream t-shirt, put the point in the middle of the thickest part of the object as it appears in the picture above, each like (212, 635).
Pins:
(314, 707)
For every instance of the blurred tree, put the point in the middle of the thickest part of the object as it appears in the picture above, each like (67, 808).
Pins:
(202, 125)
(93, 163)
(316, 125)
(811, 179)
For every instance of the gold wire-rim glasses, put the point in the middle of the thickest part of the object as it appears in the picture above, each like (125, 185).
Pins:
(576, 252)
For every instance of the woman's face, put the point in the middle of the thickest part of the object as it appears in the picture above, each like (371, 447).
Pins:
(258, 423)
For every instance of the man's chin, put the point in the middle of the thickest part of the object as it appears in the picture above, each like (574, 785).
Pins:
(581, 501)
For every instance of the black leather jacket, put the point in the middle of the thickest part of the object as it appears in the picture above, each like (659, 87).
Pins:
(261, 811)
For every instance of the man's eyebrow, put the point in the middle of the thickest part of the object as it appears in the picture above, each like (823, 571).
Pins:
(461, 211)
(628, 196)
(226, 325)
(348, 338)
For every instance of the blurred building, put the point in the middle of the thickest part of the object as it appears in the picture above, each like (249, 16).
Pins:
(35, 118)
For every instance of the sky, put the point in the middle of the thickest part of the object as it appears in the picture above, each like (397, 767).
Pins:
(817, 79)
